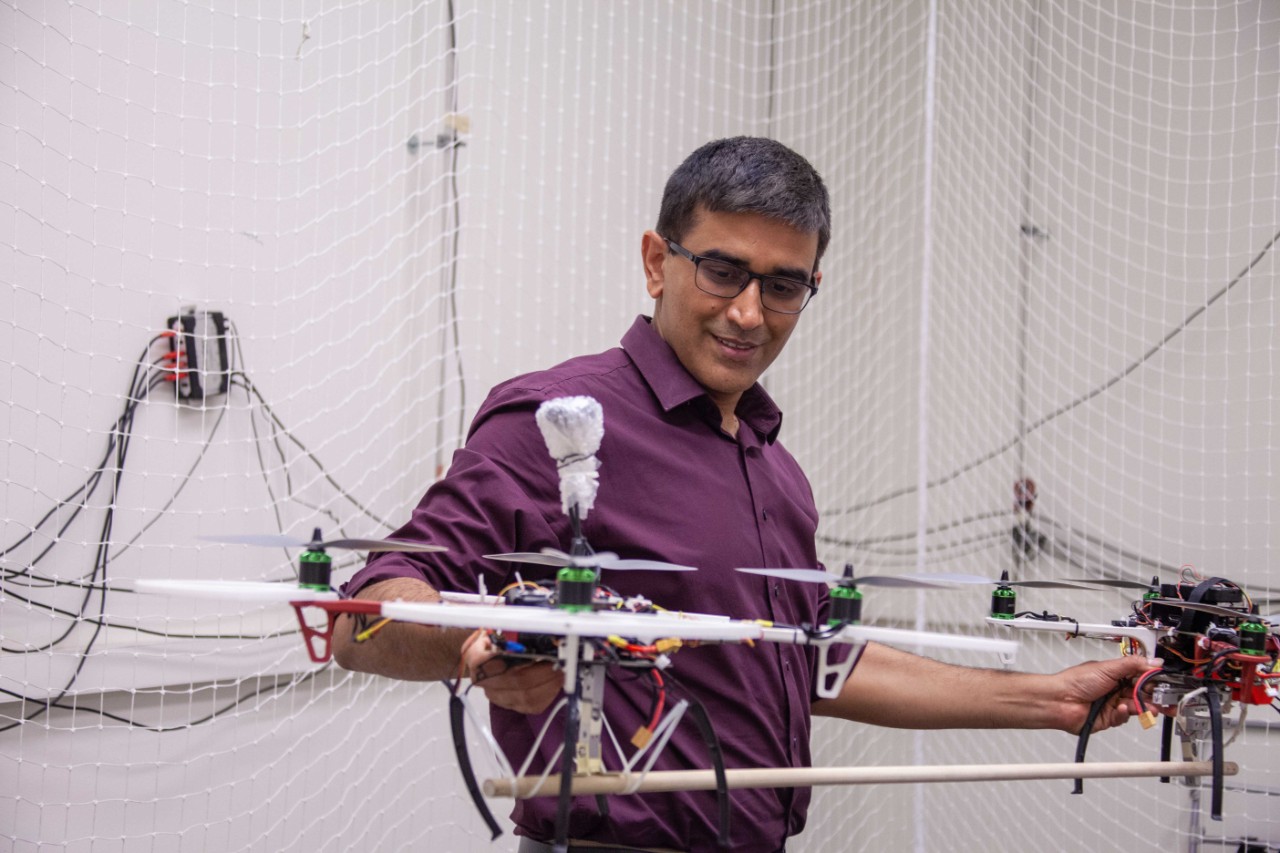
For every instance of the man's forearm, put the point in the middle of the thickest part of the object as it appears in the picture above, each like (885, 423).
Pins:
(399, 650)
(892, 688)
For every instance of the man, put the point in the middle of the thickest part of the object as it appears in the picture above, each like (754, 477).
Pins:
(691, 473)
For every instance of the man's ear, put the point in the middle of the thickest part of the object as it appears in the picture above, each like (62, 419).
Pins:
(653, 251)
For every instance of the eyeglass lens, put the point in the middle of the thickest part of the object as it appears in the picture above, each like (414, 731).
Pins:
(726, 280)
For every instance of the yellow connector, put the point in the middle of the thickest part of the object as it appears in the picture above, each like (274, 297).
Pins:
(668, 645)
(641, 737)
(1147, 719)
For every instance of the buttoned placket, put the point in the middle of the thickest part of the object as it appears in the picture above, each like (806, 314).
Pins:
(750, 460)
(749, 454)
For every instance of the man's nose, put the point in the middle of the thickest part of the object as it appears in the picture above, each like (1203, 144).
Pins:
(745, 309)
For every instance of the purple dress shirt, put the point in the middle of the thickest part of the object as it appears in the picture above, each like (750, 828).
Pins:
(673, 486)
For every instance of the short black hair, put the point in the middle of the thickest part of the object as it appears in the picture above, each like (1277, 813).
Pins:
(746, 174)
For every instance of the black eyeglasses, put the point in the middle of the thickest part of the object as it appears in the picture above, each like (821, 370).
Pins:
(721, 278)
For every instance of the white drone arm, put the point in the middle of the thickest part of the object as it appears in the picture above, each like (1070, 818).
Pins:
(228, 590)
(833, 673)
(1146, 637)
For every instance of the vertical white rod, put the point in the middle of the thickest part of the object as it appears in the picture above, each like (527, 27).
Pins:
(922, 393)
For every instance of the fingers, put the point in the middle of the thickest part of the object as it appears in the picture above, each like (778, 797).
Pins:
(1098, 678)
(527, 688)
(1119, 675)
(1131, 666)
(1115, 713)
(1088, 682)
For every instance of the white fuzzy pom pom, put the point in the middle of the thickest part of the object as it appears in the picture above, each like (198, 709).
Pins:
(573, 427)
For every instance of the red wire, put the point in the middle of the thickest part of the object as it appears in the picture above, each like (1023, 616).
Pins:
(662, 697)
(1137, 687)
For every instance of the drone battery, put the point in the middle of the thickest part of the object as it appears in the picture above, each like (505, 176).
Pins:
(1220, 594)
(1214, 592)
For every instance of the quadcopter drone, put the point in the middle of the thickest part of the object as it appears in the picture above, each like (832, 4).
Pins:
(585, 628)
(582, 626)
(1213, 647)
(579, 624)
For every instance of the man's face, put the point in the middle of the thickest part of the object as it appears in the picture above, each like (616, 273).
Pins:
(726, 343)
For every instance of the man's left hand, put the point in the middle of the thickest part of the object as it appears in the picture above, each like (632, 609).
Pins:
(1086, 682)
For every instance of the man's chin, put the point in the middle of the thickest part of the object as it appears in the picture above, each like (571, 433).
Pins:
(732, 384)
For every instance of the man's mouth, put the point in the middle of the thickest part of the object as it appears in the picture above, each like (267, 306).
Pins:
(741, 346)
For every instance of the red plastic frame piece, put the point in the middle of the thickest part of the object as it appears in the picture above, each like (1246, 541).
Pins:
(319, 641)
(1250, 687)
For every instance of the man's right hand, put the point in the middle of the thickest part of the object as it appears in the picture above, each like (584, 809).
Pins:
(428, 653)
(527, 688)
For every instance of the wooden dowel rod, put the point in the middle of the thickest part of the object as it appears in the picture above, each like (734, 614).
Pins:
(804, 777)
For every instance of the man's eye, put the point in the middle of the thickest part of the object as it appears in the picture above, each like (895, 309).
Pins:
(785, 288)
(720, 273)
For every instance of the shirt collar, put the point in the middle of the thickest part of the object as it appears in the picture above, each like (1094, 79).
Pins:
(673, 386)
